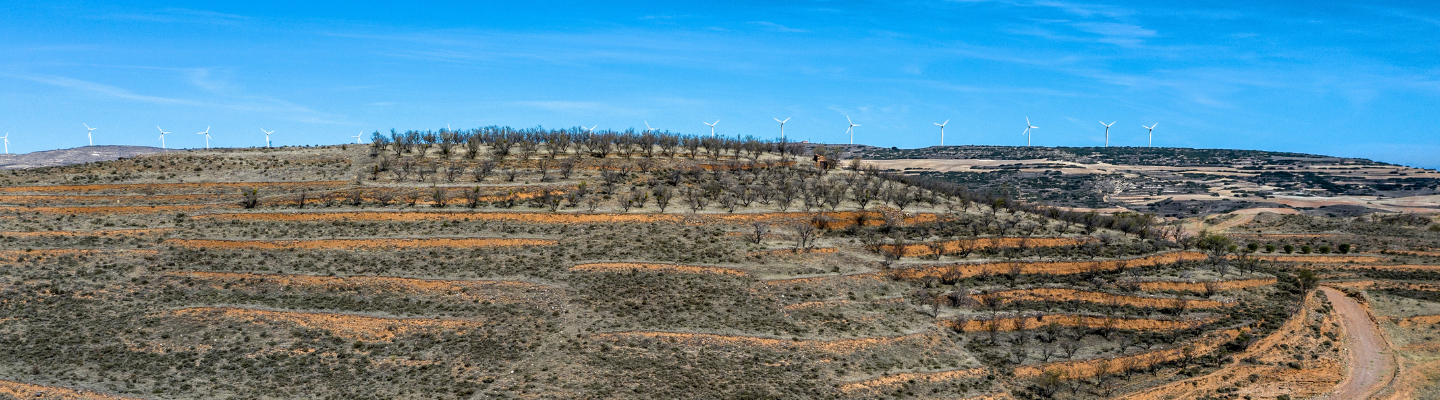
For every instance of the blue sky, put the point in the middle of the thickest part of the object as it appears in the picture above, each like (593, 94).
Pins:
(1350, 79)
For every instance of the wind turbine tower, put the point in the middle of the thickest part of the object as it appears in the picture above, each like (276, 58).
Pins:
(357, 136)
(267, 136)
(782, 127)
(1107, 132)
(207, 137)
(851, 131)
(1027, 133)
(88, 135)
(712, 126)
(162, 136)
(1151, 128)
(942, 131)
(7, 142)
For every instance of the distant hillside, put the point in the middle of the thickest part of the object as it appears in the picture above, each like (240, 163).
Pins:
(1166, 156)
(78, 155)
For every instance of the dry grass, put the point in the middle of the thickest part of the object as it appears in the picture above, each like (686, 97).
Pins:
(17, 255)
(159, 188)
(356, 244)
(836, 346)
(1320, 258)
(1419, 320)
(17, 390)
(121, 210)
(348, 326)
(112, 232)
(836, 220)
(467, 290)
(627, 267)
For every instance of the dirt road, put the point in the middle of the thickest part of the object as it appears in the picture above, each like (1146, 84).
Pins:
(1369, 362)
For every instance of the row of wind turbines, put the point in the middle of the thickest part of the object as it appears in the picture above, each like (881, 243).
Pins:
(851, 129)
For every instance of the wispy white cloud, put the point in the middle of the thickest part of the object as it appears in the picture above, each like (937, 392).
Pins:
(779, 28)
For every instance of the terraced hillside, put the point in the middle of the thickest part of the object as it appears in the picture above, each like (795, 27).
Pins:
(504, 266)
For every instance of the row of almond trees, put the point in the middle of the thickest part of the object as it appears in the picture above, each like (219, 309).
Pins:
(503, 142)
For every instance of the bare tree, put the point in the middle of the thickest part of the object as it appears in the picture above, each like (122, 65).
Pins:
(662, 197)
(384, 196)
(760, 229)
(482, 170)
(439, 196)
(1069, 346)
(567, 166)
(805, 234)
(472, 197)
(355, 197)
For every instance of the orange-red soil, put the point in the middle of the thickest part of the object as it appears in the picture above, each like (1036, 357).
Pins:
(1200, 287)
(1040, 267)
(957, 246)
(19, 390)
(1006, 324)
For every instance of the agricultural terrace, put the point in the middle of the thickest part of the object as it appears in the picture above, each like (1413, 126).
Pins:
(500, 263)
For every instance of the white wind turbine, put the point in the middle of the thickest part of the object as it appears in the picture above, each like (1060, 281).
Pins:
(1151, 128)
(267, 136)
(712, 126)
(88, 135)
(1027, 134)
(162, 136)
(1107, 132)
(782, 127)
(590, 129)
(7, 142)
(648, 129)
(851, 130)
(207, 137)
(942, 131)
(357, 136)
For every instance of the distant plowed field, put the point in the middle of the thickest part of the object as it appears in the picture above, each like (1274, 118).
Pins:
(956, 246)
(1040, 267)
(1008, 324)
(1200, 287)
(356, 244)
(626, 267)
(348, 326)
(1063, 294)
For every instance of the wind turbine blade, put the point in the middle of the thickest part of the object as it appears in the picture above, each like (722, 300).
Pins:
(847, 119)
(1027, 121)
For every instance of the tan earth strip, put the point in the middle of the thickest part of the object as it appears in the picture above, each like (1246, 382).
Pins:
(887, 382)
(349, 326)
(141, 187)
(626, 267)
(20, 390)
(1200, 287)
(838, 219)
(119, 209)
(15, 255)
(462, 289)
